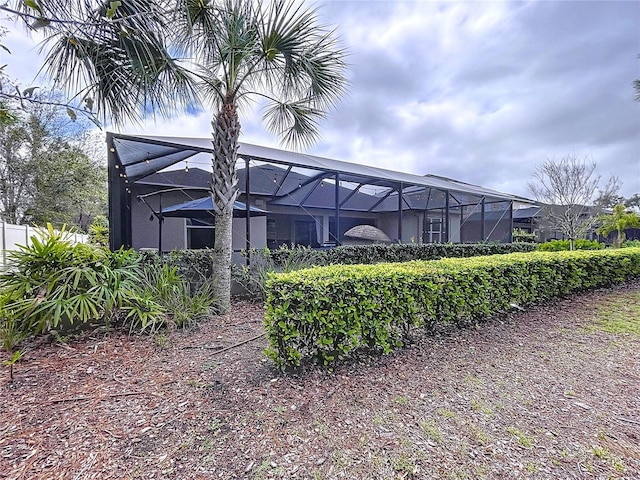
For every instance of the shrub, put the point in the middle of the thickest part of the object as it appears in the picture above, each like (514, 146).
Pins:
(561, 245)
(265, 261)
(289, 258)
(55, 284)
(630, 243)
(99, 231)
(327, 313)
(404, 252)
(195, 266)
(522, 236)
(180, 299)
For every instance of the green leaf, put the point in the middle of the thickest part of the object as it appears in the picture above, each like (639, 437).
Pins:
(113, 8)
(33, 5)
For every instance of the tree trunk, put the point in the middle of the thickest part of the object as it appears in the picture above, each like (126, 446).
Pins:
(224, 189)
(221, 268)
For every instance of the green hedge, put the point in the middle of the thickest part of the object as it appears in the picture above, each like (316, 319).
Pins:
(579, 244)
(326, 313)
(405, 252)
(385, 253)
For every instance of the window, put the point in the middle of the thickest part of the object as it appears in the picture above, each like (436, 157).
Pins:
(200, 234)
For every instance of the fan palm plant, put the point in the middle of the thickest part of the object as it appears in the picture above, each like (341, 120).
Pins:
(618, 221)
(277, 52)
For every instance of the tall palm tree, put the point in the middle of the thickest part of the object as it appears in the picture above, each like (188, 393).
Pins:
(277, 52)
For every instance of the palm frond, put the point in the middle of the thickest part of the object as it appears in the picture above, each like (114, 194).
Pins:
(295, 122)
(121, 62)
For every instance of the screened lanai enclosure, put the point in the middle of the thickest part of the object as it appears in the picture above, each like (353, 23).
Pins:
(158, 194)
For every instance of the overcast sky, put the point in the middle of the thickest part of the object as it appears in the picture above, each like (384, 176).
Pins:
(482, 92)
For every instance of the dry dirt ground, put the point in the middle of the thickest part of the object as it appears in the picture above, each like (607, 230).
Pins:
(546, 393)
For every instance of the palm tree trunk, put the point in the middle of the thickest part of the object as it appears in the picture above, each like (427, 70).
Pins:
(224, 189)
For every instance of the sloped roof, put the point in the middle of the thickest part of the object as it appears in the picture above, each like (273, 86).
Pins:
(143, 155)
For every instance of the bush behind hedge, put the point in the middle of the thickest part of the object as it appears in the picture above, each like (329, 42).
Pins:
(327, 313)
(561, 245)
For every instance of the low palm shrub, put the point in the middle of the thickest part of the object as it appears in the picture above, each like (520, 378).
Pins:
(184, 302)
(54, 284)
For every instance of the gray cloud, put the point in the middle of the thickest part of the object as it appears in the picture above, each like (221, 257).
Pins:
(485, 92)
(478, 91)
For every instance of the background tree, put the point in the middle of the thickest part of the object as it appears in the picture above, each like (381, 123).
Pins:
(633, 202)
(618, 221)
(567, 190)
(45, 173)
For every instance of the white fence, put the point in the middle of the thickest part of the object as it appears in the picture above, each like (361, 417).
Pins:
(13, 235)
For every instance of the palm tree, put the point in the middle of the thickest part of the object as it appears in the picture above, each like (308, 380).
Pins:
(619, 220)
(116, 58)
(276, 52)
(112, 56)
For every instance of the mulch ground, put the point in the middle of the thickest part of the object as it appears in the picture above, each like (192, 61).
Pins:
(537, 394)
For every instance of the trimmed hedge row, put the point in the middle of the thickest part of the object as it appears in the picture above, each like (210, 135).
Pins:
(401, 252)
(326, 313)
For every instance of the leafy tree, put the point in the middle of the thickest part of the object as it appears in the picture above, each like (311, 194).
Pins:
(633, 201)
(16, 174)
(567, 189)
(618, 221)
(45, 176)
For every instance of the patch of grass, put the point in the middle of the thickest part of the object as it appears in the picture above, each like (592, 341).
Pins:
(160, 339)
(604, 454)
(320, 427)
(209, 366)
(262, 469)
(443, 412)
(480, 435)
(619, 314)
(431, 430)
(478, 406)
(214, 426)
(402, 400)
(523, 439)
(472, 381)
(405, 464)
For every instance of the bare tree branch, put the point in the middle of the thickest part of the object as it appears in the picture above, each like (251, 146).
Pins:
(567, 190)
